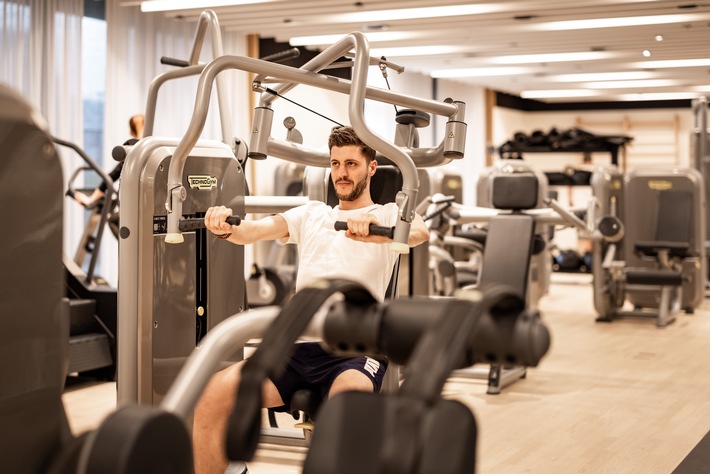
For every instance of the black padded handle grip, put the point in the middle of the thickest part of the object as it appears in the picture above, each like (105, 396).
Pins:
(374, 229)
(174, 62)
(187, 225)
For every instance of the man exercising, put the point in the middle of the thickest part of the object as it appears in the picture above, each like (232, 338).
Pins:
(323, 254)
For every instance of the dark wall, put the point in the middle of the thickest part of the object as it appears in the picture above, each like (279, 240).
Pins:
(514, 102)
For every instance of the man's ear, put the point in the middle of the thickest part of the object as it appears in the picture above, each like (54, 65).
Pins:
(373, 167)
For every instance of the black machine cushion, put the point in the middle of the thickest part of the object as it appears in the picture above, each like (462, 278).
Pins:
(515, 191)
(353, 426)
(140, 439)
(654, 277)
(675, 212)
(673, 225)
(384, 186)
(675, 249)
(509, 246)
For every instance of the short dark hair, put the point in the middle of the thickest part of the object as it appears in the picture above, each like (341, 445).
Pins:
(344, 136)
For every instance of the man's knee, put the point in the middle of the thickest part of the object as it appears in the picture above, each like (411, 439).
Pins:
(351, 381)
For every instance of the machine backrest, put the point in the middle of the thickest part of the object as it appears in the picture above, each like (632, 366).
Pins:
(506, 258)
(384, 185)
(675, 211)
(509, 243)
(35, 335)
(515, 191)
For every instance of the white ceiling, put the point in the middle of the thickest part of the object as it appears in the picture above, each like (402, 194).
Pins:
(507, 30)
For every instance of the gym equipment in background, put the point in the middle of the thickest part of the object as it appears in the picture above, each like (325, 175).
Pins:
(540, 265)
(568, 141)
(512, 244)
(700, 157)
(654, 259)
(92, 300)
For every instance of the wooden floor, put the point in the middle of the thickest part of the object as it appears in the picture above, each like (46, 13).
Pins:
(624, 397)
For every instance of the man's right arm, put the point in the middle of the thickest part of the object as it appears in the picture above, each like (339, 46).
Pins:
(247, 232)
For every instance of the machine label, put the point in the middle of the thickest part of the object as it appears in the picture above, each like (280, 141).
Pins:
(659, 184)
(202, 181)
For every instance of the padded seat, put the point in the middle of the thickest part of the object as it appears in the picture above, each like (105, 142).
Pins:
(654, 277)
(653, 248)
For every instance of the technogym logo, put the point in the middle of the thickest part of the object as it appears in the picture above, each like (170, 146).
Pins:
(202, 181)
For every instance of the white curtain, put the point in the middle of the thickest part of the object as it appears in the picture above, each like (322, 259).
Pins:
(40, 42)
(136, 42)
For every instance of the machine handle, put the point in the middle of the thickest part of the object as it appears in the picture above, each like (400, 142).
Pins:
(186, 225)
(374, 229)
(276, 58)
(174, 62)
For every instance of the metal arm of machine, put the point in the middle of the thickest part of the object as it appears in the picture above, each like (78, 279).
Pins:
(508, 332)
(358, 92)
(208, 20)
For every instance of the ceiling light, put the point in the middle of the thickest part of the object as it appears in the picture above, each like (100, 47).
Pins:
(166, 5)
(660, 96)
(559, 93)
(646, 53)
(433, 50)
(603, 76)
(414, 13)
(669, 63)
(632, 84)
(551, 57)
(479, 72)
(372, 37)
(659, 37)
(619, 22)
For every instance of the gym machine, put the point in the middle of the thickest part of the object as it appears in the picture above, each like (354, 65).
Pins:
(156, 178)
(172, 294)
(35, 314)
(700, 153)
(511, 243)
(653, 259)
(92, 301)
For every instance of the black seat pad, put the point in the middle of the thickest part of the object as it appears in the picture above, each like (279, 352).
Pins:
(352, 429)
(675, 249)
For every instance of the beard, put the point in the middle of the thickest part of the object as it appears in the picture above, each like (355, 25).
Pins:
(358, 188)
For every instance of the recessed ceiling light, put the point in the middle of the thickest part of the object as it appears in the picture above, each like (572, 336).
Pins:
(166, 5)
(660, 96)
(659, 38)
(632, 84)
(616, 22)
(558, 93)
(646, 53)
(479, 72)
(603, 76)
(372, 37)
(415, 13)
(432, 50)
(672, 63)
(550, 58)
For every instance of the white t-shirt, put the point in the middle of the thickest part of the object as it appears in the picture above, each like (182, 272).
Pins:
(324, 253)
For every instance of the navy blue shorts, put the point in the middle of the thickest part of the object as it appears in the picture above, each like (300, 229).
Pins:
(314, 369)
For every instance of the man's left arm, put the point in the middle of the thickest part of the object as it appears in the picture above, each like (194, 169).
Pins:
(418, 232)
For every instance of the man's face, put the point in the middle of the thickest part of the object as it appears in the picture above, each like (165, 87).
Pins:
(349, 171)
